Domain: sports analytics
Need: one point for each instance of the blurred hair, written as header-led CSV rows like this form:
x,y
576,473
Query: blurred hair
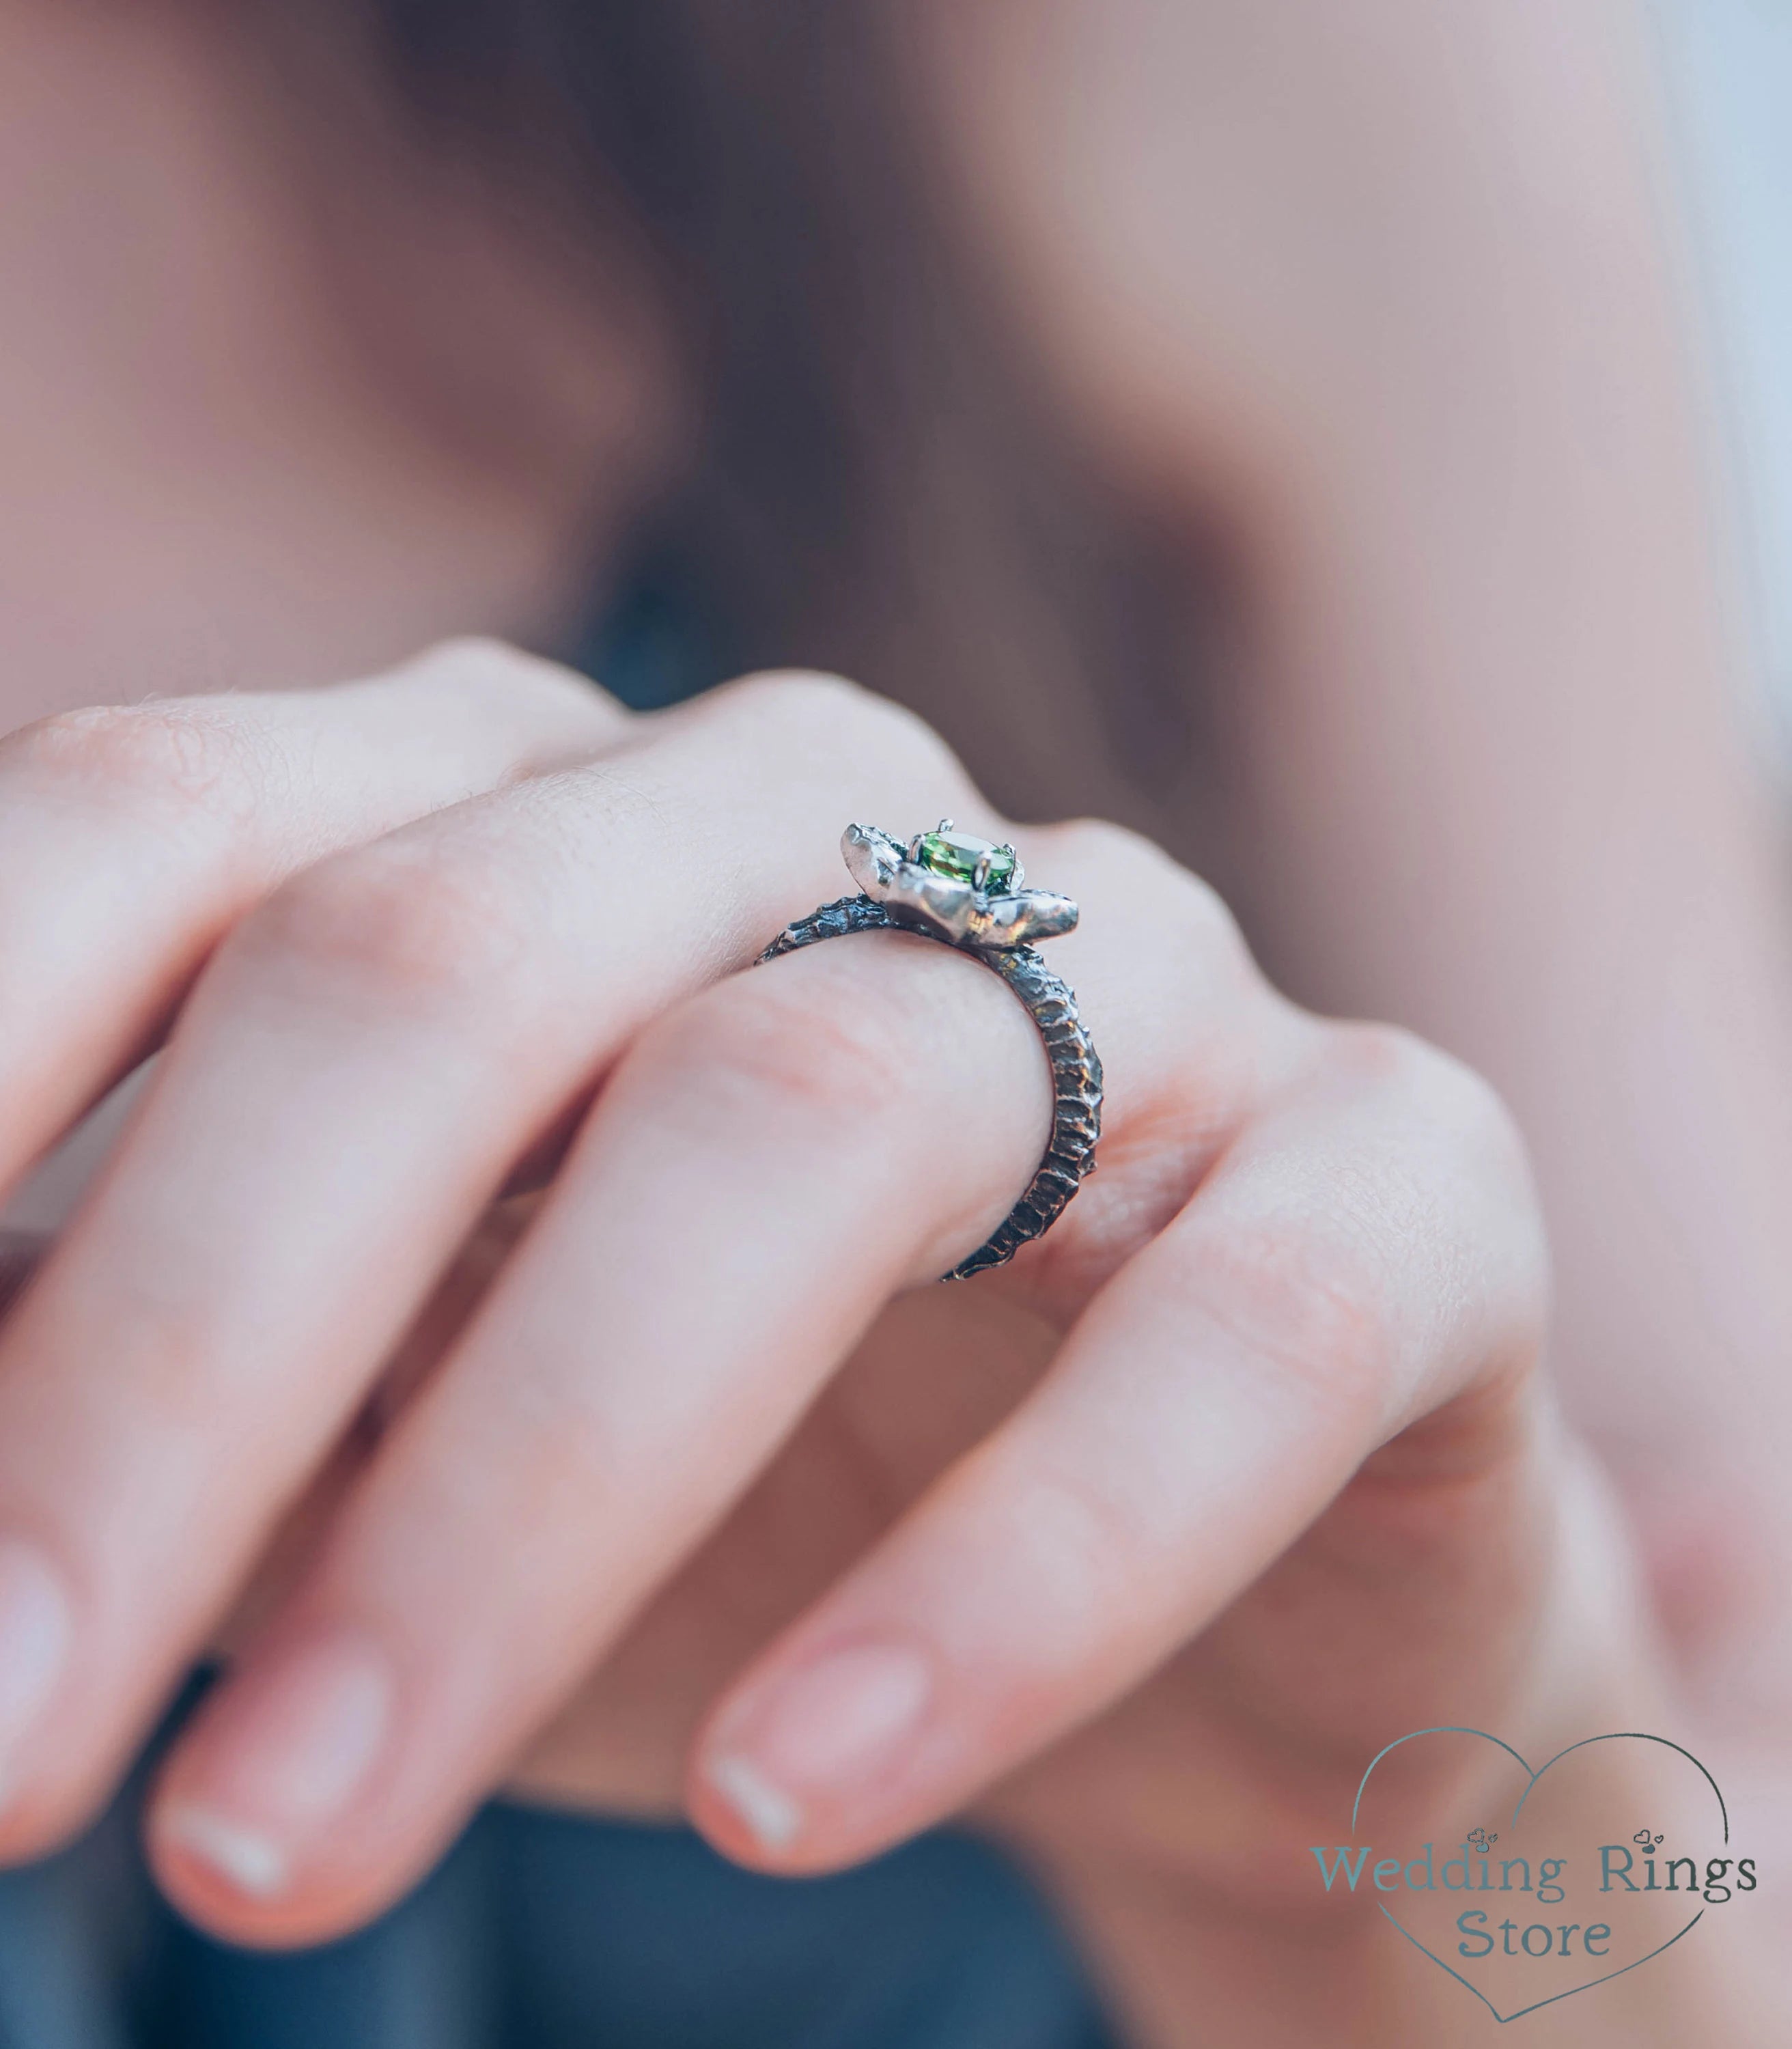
x,y
877,486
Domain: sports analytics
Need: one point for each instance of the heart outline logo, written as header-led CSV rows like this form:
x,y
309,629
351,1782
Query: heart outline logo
x,y
1531,1779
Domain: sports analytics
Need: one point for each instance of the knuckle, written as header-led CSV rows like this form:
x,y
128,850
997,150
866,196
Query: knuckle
x,y
751,1050
488,666
1450,1202
187,757
1203,915
479,657
1085,1531
1476,1109
797,696
413,925
815,714
541,709
1311,1309
1382,1056
1446,1094
1126,867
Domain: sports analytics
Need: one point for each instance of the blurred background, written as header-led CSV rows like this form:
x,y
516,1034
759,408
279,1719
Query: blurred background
x,y
1730,72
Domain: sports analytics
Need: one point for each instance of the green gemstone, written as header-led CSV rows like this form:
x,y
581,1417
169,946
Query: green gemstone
x,y
957,854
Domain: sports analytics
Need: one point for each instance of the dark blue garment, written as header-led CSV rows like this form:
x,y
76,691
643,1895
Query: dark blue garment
x,y
544,1931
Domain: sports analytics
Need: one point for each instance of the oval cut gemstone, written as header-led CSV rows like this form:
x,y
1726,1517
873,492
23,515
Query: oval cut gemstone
x,y
957,854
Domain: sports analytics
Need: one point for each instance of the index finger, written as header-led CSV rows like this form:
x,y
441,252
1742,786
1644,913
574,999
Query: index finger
x,y
133,836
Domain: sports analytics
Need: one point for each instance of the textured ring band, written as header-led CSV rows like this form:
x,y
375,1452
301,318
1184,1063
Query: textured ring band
x,y
954,905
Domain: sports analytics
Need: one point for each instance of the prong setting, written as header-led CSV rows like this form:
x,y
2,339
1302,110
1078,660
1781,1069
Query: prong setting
x,y
960,888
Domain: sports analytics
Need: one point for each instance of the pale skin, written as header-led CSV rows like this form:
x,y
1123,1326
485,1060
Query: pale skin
x,y
442,907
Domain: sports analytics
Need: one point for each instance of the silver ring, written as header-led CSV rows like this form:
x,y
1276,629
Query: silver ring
x,y
967,894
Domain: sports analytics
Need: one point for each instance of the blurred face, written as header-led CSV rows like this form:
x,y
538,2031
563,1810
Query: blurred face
x,y
273,411
281,396
1139,173
1254,240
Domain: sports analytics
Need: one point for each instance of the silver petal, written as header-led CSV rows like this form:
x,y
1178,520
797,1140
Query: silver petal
x,y
1019,921
873,857
951,908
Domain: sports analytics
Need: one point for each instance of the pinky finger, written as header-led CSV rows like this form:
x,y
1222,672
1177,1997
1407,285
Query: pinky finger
x,y
1361,1258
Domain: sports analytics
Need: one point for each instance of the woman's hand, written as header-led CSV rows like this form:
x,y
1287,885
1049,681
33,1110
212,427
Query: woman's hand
x,y
1264,1392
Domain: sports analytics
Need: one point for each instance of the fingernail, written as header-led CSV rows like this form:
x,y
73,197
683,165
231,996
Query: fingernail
x,y
280,1765
35,1630
768,1811
251,1863
819,1736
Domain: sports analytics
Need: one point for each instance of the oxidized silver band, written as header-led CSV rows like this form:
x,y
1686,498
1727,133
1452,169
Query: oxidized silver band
x,y
940,886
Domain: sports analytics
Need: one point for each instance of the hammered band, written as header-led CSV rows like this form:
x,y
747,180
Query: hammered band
x,y
1076,1068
